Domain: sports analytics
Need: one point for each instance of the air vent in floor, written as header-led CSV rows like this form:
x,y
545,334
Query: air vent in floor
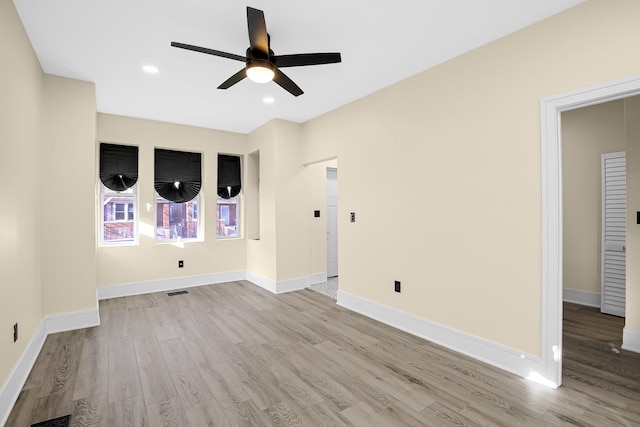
x,y
171,294
56,422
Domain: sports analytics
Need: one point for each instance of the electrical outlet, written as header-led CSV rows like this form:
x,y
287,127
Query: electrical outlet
x,y
180,264
397,286
15,332
353,217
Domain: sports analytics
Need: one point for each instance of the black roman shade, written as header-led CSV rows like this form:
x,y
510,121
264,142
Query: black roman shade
x,y
229,184
118,166
178,175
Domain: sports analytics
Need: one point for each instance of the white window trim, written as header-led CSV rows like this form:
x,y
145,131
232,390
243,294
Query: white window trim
x,y
239,226
136,214
200,218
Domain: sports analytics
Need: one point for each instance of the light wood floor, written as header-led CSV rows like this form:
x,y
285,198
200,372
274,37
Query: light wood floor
x,y
234,354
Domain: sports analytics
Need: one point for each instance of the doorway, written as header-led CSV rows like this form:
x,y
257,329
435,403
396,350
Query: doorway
x,y
552,210
323,250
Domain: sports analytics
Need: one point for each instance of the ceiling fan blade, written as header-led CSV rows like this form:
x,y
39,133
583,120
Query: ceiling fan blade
x,y
209,51
301,59
234,79
286,83
258,37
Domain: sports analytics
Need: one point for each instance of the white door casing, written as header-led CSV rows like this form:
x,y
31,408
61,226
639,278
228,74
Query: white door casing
x,y
332,222
550,368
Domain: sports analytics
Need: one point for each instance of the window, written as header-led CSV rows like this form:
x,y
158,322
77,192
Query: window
x,y
118,216
229,187
118,194
176,221
228,217
177,181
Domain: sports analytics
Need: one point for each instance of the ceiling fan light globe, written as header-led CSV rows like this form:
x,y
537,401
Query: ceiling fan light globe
x,y
260,73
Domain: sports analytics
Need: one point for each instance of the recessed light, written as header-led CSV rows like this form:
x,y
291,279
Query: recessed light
x,y
268,100
150,69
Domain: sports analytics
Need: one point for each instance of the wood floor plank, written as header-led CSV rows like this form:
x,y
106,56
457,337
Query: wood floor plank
x,y
124,377
207,414
93,369
62,372
23,410
328,416
128,413
163,323
91,411
334,394
234,354
119,320
41,368
155,379
52,405
295,387
187,380
140,326
218,372
167,413
245,414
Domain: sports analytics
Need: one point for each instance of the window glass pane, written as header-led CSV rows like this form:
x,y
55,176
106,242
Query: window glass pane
x,y
228,217
119,211
117,219
176,220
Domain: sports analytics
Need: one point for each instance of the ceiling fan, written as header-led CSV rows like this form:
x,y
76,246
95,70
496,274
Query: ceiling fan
x,y
262,65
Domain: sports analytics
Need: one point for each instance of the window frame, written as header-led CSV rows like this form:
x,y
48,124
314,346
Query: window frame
x,y
198,217
136,214
238,203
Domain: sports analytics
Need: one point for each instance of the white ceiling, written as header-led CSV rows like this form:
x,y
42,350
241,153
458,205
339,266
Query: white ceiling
x,y
381,41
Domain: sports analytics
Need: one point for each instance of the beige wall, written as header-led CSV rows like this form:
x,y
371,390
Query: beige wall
x,y
282,253
150,260
47,129
587,133
292,203
261,254
444,173
21,86
68,198
632,137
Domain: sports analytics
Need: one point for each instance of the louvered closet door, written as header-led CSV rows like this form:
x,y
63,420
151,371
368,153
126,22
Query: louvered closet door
x,y
614,204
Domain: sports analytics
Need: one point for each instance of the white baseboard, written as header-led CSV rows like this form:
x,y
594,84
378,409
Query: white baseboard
x,y
508,359
147,287
263,282
280,287
70,321
138,288
630,340
49,325
291,285
318,277
12,388
590,299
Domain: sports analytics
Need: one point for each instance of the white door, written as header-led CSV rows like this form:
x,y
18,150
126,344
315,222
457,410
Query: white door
x,y
332,222
614,207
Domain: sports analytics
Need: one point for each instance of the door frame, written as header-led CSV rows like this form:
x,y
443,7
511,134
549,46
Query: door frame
x,y
551,151
332,169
